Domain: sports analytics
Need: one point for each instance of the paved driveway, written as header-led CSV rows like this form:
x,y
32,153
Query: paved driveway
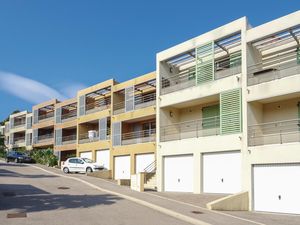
x,y
50,197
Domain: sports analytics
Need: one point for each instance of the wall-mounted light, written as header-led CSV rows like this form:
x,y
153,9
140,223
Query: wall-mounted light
x,y
171,114
238,78
249,151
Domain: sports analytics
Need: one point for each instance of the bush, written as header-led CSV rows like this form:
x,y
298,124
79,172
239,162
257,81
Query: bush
x,y
2,153
44,156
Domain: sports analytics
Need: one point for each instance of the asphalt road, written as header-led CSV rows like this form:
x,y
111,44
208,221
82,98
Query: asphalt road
x,y
39,195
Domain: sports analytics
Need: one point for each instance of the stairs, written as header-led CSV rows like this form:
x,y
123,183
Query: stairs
x,y
150,181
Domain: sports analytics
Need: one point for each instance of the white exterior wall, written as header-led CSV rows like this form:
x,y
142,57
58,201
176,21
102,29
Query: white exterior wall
x,y
266,102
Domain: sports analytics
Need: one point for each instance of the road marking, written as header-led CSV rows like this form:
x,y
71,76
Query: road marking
x,y
136,200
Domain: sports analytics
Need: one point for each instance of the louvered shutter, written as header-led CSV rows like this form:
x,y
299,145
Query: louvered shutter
x,y
28,122
34,136
205,63
298,55
11,123
11,137
117,133
35,116
58,115
210,115
129,99
235,59
28,139
231,112
103,129
81,107
58,137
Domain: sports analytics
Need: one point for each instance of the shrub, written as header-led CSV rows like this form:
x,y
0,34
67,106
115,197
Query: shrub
x,y
44,156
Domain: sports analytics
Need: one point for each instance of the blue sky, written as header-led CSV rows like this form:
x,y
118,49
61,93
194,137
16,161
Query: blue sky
x,y
59,46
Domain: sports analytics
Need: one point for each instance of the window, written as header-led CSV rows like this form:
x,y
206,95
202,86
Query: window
x,y
72,161
210,115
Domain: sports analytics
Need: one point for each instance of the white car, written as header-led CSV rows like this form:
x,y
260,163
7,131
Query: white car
x,y
80,165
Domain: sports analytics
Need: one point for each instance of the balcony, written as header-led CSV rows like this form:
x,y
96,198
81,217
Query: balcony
x,y
45,138
261,73
71,115
190,129
18,124
140,101
279,132
46,117
19,141
70,139
139,137
88,138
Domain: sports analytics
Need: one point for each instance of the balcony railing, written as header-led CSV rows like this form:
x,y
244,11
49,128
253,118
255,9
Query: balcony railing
x,y
69,116
261,73
186,78
140,101
70,139
98,105
85,138
46,116
19,124
19,140
139,137
278,132
191,129
45,138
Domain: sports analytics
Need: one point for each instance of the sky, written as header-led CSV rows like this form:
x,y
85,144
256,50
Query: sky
x,y
52,48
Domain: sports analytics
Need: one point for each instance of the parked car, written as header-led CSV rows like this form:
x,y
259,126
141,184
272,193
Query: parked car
x,y
18,157
80,165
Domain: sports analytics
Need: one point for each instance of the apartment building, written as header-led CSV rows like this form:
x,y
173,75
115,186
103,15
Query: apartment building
x,y
94,123
65,129
18,131
43,124
134,126
228,114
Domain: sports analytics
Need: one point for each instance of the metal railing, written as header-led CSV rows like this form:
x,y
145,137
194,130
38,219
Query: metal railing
x,y
98,105
151,168
69,116
186,78
19,140
85,138
46,116
19,124
277,69
70,139
45,138
140,101
278,132
191,129
139,137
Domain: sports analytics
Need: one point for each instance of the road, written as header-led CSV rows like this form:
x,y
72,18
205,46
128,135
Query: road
x,y
45,196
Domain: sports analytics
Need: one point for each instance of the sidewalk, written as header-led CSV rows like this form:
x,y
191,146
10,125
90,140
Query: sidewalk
x,y
191,205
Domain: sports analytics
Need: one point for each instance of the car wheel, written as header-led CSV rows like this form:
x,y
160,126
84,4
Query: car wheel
x,y
66,170
16,160
89,170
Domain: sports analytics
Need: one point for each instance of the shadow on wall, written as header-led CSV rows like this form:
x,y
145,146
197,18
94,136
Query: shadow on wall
x,y
8,173
31,199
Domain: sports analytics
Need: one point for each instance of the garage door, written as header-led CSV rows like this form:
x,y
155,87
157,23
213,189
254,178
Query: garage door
x,y
142,161
222,172
178,173
102,158
122,167
277,188
88,155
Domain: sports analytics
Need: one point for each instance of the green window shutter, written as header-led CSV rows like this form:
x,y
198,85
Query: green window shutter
x,y
103,128
129,99
81,105
117,133
210,116
58,115
231,112
235,59
192,73
298,55
205,63
58,137
35,116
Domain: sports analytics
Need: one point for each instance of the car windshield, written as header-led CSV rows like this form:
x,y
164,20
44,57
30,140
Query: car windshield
x,y
87,160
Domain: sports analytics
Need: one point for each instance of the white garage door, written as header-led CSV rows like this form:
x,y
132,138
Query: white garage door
x,y
88,155
142,161
122,167
277,188
222,172
178,173
102,158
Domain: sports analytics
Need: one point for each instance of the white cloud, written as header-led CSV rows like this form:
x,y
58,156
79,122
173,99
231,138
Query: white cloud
x,y
33,91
